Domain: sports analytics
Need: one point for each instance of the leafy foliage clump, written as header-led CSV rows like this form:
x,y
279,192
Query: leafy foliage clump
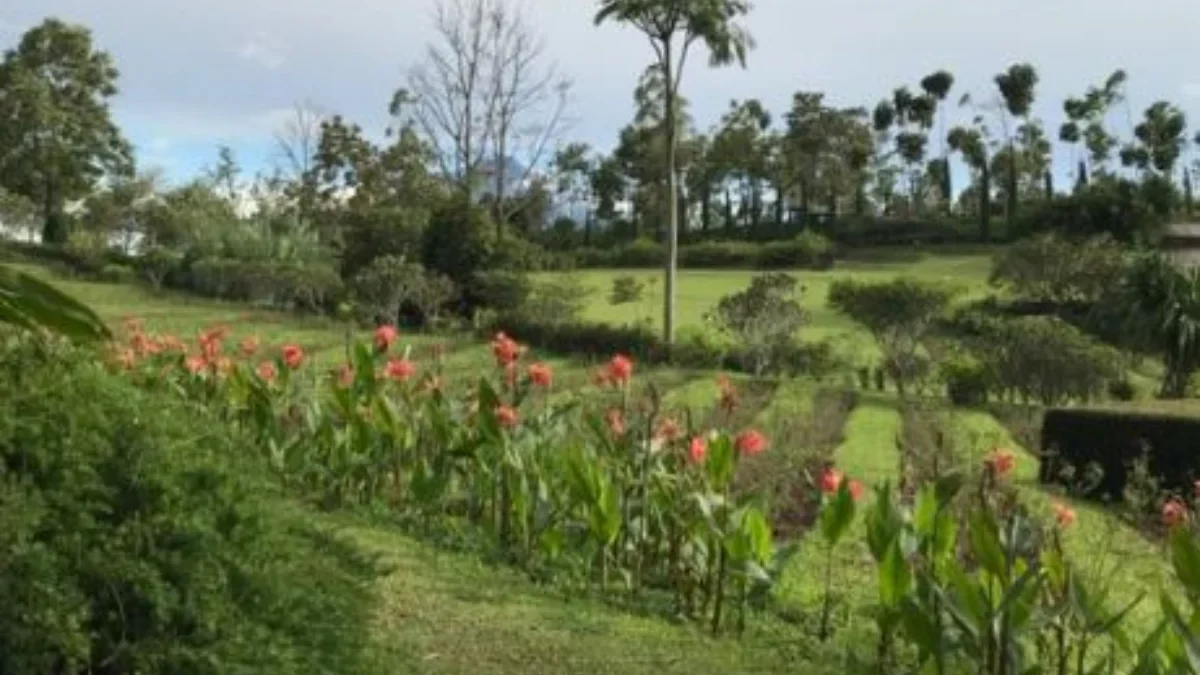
x,y
626,288
134,537
1051,268
764,318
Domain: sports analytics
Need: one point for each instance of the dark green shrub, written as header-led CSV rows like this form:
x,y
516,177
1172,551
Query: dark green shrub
x,y
116,274
807,250
156,263
561,300
501,290
720,255
880,378
626,289
967,382
599,340
1113,439
864,378
763,319
1116,207
1056,270
138,535
1122,390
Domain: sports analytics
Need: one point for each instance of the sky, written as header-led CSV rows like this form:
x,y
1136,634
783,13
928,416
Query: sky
x,y
195,75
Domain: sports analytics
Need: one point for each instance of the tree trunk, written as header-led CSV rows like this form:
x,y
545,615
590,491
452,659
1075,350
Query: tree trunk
x,y
587,227
985,203
672,202
1011,209
1083,174
728,213
706,208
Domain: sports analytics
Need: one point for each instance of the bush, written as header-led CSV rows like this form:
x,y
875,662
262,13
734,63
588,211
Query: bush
x,y
1053,269
116,274
307,287
1118,208
156,263
137,536
1122,390
498,289
764,319
967,381
626,288
1113,439
558,301
807,250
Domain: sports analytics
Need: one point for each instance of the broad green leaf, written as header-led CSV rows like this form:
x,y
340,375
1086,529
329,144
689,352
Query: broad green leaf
x,y
895,577
837,515
985,544
28,302
1185,557
758,532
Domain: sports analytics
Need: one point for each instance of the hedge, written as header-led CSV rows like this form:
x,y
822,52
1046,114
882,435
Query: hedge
x,y
1113,439
600,341
807,250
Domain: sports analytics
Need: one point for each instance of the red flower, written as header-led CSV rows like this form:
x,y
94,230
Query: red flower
x,y
540,375
831,480
385,337
727,399
267,371
1063,514
668,430
1174,513
505,349
856,490
293,356
620,369
249,346
345,375
195,364
750,442
506,416
400,369
1000,463
697,449
615,421
172,343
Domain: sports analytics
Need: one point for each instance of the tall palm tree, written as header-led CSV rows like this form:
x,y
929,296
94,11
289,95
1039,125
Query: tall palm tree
x,y
673,27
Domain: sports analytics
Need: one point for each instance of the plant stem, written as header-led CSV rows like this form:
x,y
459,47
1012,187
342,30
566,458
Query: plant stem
x,y
827,604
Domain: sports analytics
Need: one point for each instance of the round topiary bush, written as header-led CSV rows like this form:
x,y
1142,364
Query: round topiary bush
x,y
137,534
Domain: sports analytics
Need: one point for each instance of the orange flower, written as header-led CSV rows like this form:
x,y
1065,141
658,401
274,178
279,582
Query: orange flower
x,y
195,364
127,358
505,349
1174,513
751,442
249,346
856,490
615,421
293,356
1000,462
540,375
385,337
1063,514
620,369
506,416
697,449
668,430
267,371
400,369
172,344
831,480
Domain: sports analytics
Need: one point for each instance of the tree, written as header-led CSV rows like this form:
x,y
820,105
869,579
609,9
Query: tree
x,y
899,314
297,141
18,215
937,86
1016,86
1162,305
763,318
972,142
673,27
486,101
58,137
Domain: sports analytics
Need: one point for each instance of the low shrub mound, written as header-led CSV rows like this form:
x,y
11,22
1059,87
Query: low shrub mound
x,y
808,250
134,537
1113,439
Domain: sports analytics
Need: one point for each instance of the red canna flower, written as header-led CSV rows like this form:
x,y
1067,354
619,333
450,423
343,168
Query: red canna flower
x,y
1000,462
856,490
540,375
831,480
249,346
293,356
668,430
505,349
267,371
506,416
1174,513
620,369
385,337
750,442
400,369
697,449
1063,514
195,364
615,421
172,344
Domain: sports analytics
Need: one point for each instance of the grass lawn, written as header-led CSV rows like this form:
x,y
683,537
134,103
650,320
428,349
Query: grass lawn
x,y
700,290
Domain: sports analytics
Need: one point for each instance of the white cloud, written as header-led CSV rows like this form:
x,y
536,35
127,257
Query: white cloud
x,y
263,50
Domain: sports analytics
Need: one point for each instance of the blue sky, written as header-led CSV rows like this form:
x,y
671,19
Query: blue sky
x,y
228,71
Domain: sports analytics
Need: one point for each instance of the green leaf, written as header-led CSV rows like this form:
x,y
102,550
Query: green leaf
x,y
895,577
28,303
720,461
919,626
947,488
985,544
758,533
837,515
1185,557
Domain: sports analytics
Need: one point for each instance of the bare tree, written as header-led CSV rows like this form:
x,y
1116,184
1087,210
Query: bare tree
x,y
486,99
296,140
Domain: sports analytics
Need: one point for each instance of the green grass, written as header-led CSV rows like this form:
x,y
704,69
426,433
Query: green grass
x,y
700,290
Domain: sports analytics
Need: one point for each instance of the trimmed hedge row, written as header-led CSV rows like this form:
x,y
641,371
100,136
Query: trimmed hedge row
x,y
1114,439
600,341
808,250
